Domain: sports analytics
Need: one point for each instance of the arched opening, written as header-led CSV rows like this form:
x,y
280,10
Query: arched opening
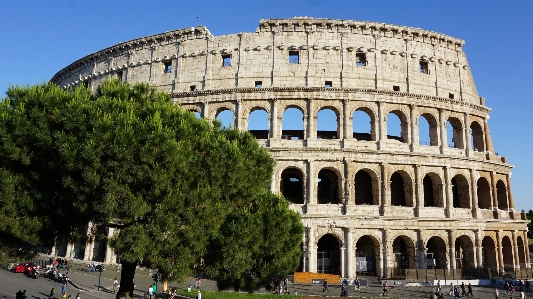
x,y
292,125
432,190
483,194
367,250
225,117
436,253
328,187
521,252
363,125
363,189
258,123
292,185
404,255
327,124
478,144
454,130
489,254
400,188
197,114
464,253
397,126
328,255
460,192
507,252
501,194
427,130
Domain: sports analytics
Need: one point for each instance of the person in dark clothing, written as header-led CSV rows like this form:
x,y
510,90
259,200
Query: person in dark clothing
x,y
325,286
469,290
463,290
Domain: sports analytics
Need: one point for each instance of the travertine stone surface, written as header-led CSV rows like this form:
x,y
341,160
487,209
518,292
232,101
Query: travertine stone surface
x,y
420,196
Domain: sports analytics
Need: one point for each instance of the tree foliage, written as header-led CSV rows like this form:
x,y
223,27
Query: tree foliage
x,y
127,157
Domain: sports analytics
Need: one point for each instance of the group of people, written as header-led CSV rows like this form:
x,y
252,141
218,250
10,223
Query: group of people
x,y
63,293
92,267
523,286
281,287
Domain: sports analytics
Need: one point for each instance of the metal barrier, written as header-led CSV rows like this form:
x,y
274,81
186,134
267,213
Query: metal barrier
x,y
425,275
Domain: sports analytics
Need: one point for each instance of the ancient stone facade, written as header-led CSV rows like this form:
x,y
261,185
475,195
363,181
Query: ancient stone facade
x,y
370,201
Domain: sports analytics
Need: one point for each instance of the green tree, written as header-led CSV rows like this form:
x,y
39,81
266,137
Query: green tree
x,y
128,158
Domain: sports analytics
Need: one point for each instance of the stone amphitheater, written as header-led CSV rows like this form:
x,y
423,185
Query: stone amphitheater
x,y
373,202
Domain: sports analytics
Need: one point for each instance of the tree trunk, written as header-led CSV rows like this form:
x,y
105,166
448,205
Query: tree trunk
x,y
126,281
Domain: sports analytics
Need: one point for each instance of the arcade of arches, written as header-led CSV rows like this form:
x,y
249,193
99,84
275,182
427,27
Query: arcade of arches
x,y
381,252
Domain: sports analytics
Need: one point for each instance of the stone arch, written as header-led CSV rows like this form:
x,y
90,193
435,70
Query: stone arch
x,y
322,131
366,135
478,143
328,254
367,253
298,132
329,186
432,128
489,253
257,122
223,114
460,192
501,195
292,185
433,190
366,186
507,252
454,128
464,253
404,127
521,252
403,250
401,189
436,253
483,193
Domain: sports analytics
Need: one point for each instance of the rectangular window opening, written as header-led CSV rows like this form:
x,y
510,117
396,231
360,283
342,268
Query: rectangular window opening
x,y
193,87
294,57
226,60
119,75
396,88
328,84
258,84
360,59
168,67
450,95
424,67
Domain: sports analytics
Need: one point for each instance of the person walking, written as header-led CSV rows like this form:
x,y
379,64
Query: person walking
x,y
469,290
64,291
385,289
115,285
463,290
78,296
52,293
325,286
357,283
496,293
199,295
150,291
438,287
451,288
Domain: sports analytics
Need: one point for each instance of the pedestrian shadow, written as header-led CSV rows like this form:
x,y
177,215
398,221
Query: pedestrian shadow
x,y
104,289
79,287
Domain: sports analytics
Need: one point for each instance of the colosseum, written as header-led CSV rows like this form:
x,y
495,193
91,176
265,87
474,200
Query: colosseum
x,y
373,202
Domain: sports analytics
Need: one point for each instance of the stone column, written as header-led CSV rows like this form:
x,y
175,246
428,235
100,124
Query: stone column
x,y
385,253
419,187
479,248
501,265
53,251
382,127
311,182
350,256
205,112
238,119
87,251
109,250
448,188
347,185
516,259
346,124
343,262
488,140
443,133
467,137
494,190
452,234
475,204
385,186
312,250
526,250
275,130
311,121
510,201
414,138
69,249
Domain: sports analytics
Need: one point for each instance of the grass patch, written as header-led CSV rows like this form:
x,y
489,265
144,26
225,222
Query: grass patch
x,y
230,295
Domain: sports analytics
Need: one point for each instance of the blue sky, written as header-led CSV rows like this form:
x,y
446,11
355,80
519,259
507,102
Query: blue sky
x,y
38,38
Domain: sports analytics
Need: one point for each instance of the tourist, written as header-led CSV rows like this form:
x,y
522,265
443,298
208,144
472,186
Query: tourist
x,y
451,288
78,296
469,290
199,295
385,289
150,291
64,290
325,286
496,293
115,285
52,293
463,290
357,283
438,287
